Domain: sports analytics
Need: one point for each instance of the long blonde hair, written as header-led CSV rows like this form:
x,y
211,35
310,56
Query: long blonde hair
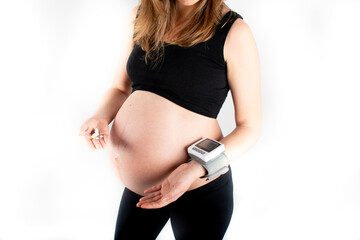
x,y
157,17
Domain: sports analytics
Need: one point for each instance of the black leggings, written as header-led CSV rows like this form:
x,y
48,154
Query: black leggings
x,y
202,213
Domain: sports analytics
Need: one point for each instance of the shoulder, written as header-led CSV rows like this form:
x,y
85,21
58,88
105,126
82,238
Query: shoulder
x,y
239,24
240,35
239,31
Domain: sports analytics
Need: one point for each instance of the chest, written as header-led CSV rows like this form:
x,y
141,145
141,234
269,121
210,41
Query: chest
x,y
201,65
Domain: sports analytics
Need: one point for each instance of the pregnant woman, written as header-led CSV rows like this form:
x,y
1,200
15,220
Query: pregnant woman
x,y
180,59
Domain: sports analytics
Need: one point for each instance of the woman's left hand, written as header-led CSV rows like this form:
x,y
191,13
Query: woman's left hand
x,y
175,185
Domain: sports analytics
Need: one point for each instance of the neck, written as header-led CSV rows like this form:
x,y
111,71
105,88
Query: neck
x,y
183,11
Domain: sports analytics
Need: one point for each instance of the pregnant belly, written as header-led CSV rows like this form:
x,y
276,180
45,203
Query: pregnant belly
x,y
150,136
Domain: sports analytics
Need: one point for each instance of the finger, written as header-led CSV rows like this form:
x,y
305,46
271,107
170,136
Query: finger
x,y
90,143
99,142
153,189
153,199
102,142
96,143
156,204
83,128
152,195
87,133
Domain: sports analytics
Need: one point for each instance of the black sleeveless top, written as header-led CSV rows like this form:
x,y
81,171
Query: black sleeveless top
x,y
192,77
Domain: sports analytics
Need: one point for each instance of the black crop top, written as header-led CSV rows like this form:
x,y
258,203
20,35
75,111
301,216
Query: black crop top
x,y
192,77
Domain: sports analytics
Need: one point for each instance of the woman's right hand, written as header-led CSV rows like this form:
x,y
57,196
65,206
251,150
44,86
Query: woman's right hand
x,y
88,128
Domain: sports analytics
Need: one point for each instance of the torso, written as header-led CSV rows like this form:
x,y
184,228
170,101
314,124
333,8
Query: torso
x,y
150,136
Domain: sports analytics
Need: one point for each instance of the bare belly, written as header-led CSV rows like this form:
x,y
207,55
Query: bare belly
x,y
150,136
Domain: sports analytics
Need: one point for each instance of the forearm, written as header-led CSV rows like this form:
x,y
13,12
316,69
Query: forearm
x,y
110,104
240,140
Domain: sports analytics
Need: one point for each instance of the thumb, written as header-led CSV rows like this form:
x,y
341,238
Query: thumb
x,y
83,129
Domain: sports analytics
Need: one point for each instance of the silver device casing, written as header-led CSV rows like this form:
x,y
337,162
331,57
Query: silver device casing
x,y
215,162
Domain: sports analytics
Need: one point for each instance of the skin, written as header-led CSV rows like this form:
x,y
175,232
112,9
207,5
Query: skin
x,y
184,7
147,143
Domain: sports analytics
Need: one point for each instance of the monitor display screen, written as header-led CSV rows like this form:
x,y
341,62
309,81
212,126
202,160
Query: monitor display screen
x,y
207,145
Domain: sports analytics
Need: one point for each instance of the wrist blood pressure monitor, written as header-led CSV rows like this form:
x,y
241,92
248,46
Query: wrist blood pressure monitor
x,y
210,154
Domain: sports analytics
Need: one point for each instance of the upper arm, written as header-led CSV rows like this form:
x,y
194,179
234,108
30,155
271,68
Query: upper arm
x,y
121,79
243,72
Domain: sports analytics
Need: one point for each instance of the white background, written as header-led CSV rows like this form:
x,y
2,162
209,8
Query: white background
x,y
300,181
